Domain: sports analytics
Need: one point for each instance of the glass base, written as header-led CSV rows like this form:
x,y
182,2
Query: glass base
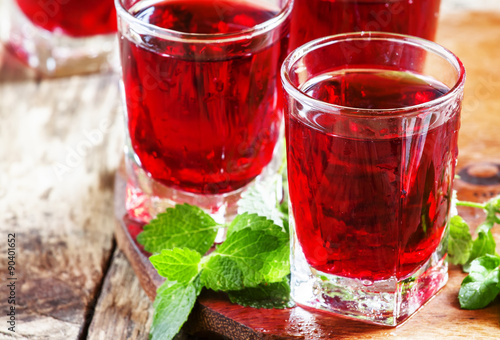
x,y
54,54
386,302
145,197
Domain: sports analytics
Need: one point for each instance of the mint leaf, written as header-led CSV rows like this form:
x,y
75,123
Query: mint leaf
x,y
492,208
482,285
460,241
263,198
255,251
484,244
184,226
222,274
255,254
254,222
272,295
173,304
177,264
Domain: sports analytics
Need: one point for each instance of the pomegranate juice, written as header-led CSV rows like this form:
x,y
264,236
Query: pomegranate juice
x,y
76,18
204,117
319,18
371,207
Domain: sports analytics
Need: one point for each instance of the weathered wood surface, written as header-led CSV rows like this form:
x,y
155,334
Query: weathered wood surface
x,y
474,37
123,310
73,283
60,140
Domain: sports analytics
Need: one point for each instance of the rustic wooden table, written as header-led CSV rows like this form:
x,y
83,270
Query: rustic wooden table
x,y
61,142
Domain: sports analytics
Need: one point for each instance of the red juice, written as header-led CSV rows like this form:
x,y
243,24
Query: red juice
x,y
371,207
313,19
204,119
76,18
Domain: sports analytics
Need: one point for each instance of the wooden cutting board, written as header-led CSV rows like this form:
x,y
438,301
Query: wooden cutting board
x,y
475,38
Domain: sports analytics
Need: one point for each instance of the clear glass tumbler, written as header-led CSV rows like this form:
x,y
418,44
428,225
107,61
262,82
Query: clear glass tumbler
x,y
312,19
372,122
203,100
63,37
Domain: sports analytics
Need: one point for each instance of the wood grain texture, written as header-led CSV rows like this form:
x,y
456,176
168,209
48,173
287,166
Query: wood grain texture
x,y
60,144
474,37
123,310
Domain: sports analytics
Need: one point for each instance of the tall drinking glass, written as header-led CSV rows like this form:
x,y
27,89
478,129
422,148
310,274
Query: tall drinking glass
x,y
63,37
372,124
312,19
203,100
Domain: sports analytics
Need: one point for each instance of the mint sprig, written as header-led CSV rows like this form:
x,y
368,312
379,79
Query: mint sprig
x,y
248,258
483,245
252,265
272,295
460,241
266,199
178,264
184,226
172,306
482,284
478,257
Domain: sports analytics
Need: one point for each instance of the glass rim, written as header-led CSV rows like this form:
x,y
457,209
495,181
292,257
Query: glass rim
x,y
170,34
427,45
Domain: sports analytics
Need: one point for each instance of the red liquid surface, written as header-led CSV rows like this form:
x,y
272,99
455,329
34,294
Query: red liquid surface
x,y
77,18
313,19
205,121
370,208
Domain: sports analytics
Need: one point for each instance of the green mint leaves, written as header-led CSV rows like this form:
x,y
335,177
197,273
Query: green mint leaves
x,y
252,265
184,226
263,198
255,251
177,264
484,244
272,295
478,257
482,284
173,304
459,241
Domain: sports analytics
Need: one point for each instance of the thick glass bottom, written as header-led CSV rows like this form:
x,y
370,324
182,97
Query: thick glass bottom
x,y
54,54
145,197
386,302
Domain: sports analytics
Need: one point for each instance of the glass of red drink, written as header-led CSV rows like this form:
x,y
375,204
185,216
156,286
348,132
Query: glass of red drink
x,y
312,19
63,37
203,100
371,126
